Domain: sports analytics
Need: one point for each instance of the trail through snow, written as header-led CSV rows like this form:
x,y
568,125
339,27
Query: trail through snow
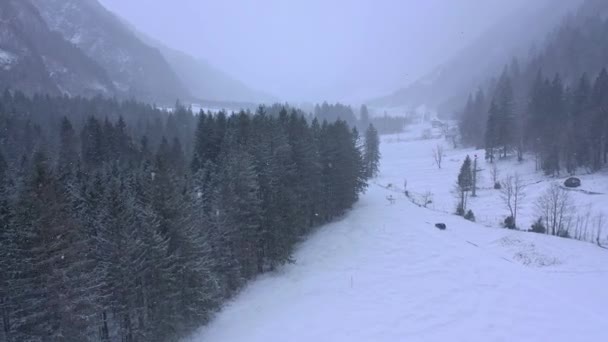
x,y
385,273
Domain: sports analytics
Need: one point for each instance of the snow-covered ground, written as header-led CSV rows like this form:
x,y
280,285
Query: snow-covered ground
x,y
413,162
385,273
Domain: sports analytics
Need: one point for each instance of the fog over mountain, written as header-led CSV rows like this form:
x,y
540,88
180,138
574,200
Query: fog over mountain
x,y
318,50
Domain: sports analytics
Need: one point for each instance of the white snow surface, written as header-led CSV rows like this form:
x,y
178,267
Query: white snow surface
x,y
385,273
7,59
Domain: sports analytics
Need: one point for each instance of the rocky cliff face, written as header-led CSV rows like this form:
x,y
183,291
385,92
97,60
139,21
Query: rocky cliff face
x,y
35,59
78,48
136,69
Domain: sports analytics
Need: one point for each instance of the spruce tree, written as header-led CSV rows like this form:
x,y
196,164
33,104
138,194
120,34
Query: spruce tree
x,y
504,114
467,119
464,185
371,155
364,119
491,134
8,261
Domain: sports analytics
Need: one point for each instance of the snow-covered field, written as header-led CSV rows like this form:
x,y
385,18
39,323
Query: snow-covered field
x,y
413,162
385,273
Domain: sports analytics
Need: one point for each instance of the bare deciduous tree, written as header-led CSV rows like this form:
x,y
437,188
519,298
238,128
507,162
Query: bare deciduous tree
x,y
581,224
438,155
426,198
495,172
556,209
599,227
512,194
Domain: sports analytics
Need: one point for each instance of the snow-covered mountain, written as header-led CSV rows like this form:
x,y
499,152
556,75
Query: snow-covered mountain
x,y
204,81
447,86
136,69
209,83
79,48
35,59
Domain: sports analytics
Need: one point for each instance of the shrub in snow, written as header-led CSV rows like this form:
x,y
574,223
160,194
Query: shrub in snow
x,y
509,222
440,226
460,210
539,227
470,216
497,186
564,233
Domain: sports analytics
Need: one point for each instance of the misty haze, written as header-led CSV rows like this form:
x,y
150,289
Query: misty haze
x,y
361,171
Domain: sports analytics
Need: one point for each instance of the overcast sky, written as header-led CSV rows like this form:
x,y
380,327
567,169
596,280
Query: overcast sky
x,y
317,50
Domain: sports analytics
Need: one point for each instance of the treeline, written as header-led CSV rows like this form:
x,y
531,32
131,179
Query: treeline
x,y
562,117
333,112
385,124
121,222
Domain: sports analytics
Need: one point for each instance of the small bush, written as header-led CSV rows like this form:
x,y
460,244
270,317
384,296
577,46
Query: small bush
x,y
539,227
564,234
460,211
497,186
509,222
470,216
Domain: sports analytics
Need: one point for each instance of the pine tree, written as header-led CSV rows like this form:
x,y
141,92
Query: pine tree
x,y
464,185
308,181
92,140
236,219
491,138
371,156
599,119
504,114
51,252
467,119
68,159
364,119
8,261
579,142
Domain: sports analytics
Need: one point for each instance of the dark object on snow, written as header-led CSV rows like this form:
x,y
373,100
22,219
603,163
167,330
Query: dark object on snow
x,y
441,226
572,182
469,216
510,222
497,186
539,227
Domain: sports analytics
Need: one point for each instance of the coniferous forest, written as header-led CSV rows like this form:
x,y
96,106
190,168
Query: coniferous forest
x,y
553,106
122,222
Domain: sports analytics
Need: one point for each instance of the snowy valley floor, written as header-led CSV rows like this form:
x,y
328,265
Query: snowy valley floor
x,y
385,273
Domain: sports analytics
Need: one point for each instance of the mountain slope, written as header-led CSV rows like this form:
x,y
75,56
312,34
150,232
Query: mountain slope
x,y
208,83
137,69
36,60
203,80
446,86
385,273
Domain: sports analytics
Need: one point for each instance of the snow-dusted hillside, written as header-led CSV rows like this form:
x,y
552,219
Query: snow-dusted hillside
x,y
385,273
136,69
447,86
34,59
